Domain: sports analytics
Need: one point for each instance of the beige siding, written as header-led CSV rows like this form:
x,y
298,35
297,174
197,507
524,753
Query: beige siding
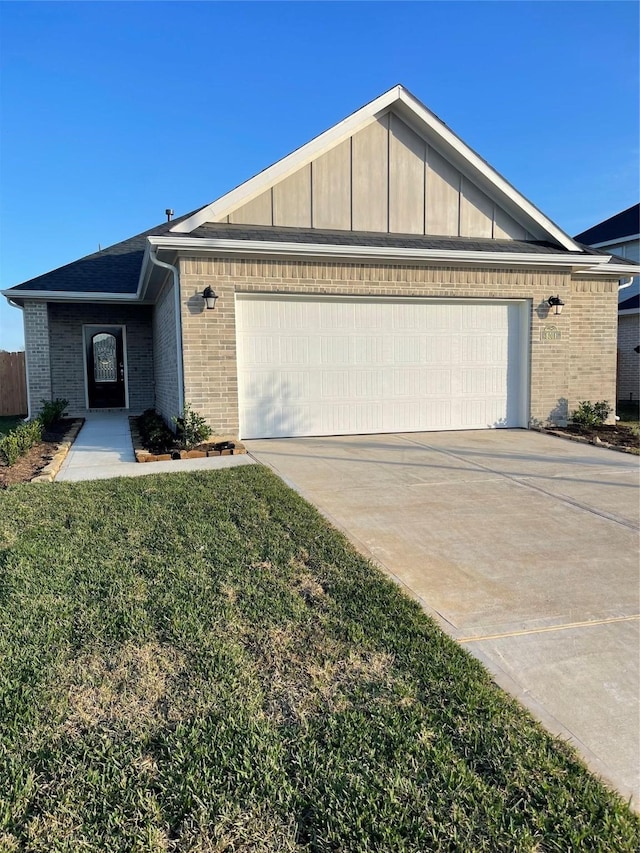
x,y
256,212
370,177
384,178
407,153
332,188
443,196
504,227
476,212
572,357
292,200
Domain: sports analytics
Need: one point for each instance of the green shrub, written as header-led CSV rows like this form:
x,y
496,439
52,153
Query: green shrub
x,y
16,443
591,414
156,435
9,448
52,411
191,428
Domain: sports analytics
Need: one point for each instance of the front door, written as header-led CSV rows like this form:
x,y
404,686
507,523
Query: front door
x,y
105,367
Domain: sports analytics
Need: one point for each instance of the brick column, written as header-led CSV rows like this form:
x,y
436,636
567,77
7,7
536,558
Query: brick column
x,y
36,339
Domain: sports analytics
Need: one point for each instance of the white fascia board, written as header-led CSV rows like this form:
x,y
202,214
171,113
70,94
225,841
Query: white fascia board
x,y
145,273
388,253
625,312
617,270
252,188
69,296
615,242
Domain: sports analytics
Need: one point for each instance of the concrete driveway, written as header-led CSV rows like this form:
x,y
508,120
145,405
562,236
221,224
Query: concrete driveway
x,y
523,546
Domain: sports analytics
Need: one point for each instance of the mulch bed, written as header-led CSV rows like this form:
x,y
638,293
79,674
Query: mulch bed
x,y
217,445
26,468
614,436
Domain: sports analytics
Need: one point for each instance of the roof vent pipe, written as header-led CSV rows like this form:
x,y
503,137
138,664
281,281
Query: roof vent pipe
x,y
169,214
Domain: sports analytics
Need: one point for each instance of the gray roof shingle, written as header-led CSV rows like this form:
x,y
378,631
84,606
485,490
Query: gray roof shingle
x,y
370,238
115,269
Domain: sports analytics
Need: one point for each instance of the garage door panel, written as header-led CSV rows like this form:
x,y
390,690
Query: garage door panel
x,y
330,366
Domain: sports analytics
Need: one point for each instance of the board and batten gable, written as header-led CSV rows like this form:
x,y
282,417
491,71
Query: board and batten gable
x,y
384,178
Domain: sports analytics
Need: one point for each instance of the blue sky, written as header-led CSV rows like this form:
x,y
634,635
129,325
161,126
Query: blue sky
x,y
111,112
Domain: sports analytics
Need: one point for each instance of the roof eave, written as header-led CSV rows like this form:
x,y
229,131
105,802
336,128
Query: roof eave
x,y
615,270
267,248
69,296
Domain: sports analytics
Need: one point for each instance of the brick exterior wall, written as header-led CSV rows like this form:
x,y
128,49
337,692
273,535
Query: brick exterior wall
x,y
572,357
628,360
67,350
594,328
165,355
36,337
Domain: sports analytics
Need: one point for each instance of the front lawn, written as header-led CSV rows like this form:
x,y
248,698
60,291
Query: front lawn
x,y
198,662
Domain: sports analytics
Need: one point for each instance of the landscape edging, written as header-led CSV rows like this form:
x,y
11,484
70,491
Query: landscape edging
x,y
143,455
50,470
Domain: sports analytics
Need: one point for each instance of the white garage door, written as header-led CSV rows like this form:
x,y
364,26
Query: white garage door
x,y
339,366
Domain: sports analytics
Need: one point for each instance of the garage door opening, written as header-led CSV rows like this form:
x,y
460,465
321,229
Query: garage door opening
x,y
347,365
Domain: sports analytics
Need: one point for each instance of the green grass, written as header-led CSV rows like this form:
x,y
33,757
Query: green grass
x,y
9,422
198,662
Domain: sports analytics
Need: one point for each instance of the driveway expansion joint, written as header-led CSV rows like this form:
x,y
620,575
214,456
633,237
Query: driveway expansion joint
x,y
549,629
526,481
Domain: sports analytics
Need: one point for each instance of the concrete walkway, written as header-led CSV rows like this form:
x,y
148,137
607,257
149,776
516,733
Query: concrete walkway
x,y
103,450
523,546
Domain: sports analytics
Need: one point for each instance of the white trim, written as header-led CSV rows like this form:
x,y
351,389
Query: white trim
x,y
123,328
614,242
617,270
398,95
69,295
269,247
627,312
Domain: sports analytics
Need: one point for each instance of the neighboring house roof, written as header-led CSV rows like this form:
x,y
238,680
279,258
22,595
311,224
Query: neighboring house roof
x,y
623,225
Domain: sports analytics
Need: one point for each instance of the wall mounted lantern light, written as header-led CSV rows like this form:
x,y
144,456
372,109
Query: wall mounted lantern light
x,y
209,297
556,303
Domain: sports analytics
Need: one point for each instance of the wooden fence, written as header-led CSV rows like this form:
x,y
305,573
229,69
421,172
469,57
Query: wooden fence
x,y
13,384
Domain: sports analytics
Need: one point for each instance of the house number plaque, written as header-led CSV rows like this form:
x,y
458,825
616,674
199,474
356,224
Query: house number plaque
x,y
550,333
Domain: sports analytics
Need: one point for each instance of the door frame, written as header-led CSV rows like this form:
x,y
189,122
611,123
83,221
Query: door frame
x,y
89,329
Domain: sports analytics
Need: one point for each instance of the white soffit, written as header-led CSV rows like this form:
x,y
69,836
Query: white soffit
x,y
435,133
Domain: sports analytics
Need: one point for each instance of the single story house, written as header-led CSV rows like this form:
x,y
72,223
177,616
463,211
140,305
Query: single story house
x,y
620,236
383,277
